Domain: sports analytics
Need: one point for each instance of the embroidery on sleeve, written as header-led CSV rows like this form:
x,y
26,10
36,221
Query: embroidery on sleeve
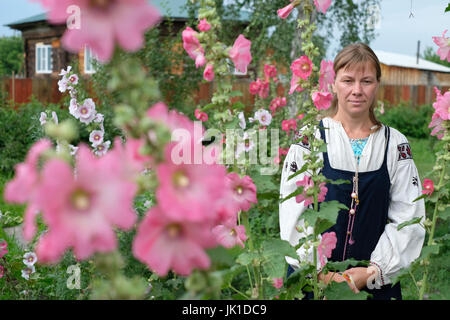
x,y
415,181
404,151
294,166
303,141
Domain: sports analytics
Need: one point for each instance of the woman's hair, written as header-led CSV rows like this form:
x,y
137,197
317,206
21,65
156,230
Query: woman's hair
x,y
353,55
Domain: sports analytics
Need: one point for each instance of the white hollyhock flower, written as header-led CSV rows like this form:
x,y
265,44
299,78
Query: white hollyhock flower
x,y
73,150
43,118
247,145
29,258
62,84
29,270
99,118
55,117
96,137
241,117
102,148
263,116
86,112
73,108
73,79
64,72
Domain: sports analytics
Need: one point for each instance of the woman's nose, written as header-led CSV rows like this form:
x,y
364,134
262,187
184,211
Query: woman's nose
x,y
357,88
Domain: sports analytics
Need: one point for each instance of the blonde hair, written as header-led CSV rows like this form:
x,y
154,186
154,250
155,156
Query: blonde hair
x,y
353,55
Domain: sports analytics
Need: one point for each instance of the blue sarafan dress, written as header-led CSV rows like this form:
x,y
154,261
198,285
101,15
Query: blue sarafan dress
x,y
369,232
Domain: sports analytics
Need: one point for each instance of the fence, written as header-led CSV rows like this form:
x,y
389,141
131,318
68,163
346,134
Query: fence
x,y
46,91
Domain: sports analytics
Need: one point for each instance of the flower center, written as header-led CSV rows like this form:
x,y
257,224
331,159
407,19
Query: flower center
x,y
80,200
180,179
263,118
173,230
305,67
233,232
239,190
100,148
83,110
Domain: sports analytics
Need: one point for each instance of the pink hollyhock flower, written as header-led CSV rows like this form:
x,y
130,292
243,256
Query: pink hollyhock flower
x,y
300,116
326,246
22,187
428,186
283,151
243,190
254,87
283,13
126,159
263,88
308,183
208,73
240,53
189,191
442,106
270,71
82,210
444,46
102,23
295,86
3,248
277,103
322,5
193,46
287,125
322,100
172,119
436,124
202,116
326,75
230,235
277,282
165,244
203,25
302,67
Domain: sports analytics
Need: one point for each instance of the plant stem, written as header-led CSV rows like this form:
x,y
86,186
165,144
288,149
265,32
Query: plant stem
x,y
241,293
430,238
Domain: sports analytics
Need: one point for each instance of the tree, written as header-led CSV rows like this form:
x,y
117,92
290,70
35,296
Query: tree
x,y
430,55
11,55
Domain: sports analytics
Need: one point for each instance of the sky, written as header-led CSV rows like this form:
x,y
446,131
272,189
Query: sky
x,y
397,32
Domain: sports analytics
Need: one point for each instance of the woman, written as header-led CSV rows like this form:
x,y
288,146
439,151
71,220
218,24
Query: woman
x,y
377,160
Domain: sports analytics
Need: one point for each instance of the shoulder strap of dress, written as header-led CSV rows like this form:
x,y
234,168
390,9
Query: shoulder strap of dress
x,y
387,136
322,131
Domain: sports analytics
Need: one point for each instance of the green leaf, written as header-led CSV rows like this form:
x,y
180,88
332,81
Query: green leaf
x,y
338,181
273,253
325,218
221,256
229,274
429,250
246,258
343,265
420,197
448,8
263,183
444,215
302,169
408,223
342,291
297,191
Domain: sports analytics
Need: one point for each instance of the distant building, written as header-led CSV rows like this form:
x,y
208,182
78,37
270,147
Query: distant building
x,y
403,78
45,57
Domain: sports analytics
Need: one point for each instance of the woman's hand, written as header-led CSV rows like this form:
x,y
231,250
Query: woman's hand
x,y
360,275
330,276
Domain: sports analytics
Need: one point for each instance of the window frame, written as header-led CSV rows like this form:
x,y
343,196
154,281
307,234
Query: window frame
x,y
44,62
91,56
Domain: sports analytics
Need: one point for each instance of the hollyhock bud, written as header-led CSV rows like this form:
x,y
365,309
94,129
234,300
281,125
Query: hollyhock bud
x,y
208,74
283,13
203,25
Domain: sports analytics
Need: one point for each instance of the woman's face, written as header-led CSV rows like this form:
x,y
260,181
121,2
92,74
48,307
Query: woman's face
x,y
356,88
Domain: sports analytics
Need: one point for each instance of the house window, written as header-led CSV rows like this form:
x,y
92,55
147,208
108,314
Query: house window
x,y
88,61
44,59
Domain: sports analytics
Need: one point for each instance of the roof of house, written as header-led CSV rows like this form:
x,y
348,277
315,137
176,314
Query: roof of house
x,y
402,60
168,8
